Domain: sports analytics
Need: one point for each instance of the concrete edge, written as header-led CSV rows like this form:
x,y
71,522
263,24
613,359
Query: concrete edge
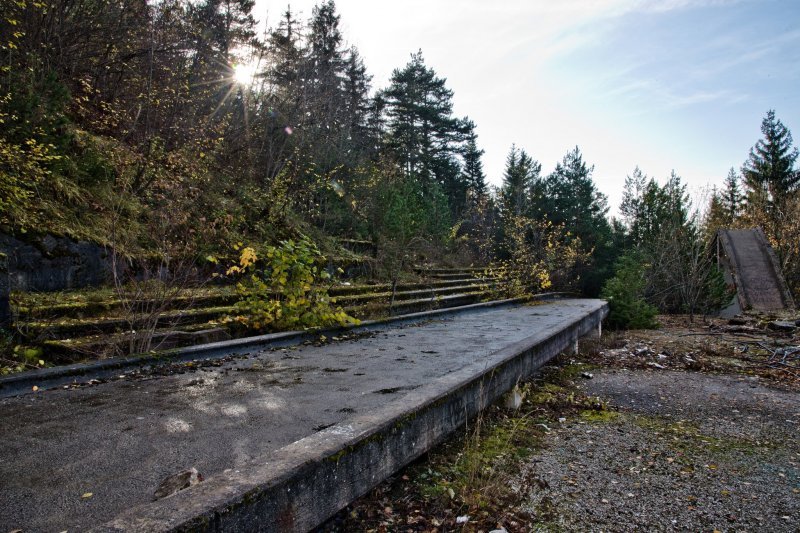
x,y
300,485
777,272
48,378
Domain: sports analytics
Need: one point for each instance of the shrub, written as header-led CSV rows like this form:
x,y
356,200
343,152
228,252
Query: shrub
x,y
541,257
625,295
286,291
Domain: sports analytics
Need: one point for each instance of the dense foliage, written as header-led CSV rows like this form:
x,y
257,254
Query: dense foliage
x,y
124,118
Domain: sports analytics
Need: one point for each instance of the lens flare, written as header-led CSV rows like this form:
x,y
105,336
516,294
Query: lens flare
x,y
243,73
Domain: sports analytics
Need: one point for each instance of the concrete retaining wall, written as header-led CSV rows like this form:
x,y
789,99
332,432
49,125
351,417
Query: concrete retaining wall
x,y
48,263
303,484
5,307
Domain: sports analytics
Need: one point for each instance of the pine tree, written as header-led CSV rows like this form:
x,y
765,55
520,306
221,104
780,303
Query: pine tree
x,y
356,85
520,174
772,185
573,197
716,216
573,200
422,132
284,44
325,41
326,111
769,172
731,198
472,171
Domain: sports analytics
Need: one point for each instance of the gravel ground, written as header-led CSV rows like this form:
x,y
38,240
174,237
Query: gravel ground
x,y
679,451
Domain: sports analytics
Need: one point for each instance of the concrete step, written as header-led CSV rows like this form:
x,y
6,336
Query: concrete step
x,y
64,328
453,270
187,329
78,327
29,311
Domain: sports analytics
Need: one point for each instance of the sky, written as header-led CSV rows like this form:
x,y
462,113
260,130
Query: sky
x,y
663,84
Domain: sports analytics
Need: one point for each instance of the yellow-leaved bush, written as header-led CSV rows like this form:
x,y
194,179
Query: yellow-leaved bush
x,y
542,256
285,289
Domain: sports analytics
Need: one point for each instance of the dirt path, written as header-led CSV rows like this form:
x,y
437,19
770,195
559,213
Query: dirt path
x,y
683,451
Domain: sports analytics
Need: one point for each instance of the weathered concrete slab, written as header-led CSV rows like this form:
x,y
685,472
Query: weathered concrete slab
x,y
284,437
760,285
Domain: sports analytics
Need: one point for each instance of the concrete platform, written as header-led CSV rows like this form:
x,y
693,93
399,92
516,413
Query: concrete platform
x,y
284,437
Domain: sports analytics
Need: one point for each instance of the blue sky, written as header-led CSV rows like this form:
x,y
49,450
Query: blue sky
x,y
670,84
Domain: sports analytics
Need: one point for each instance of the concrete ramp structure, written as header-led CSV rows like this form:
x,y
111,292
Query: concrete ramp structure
x,y
749,263
284,432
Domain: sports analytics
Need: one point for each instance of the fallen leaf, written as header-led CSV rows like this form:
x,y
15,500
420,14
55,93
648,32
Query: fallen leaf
x,y
87,495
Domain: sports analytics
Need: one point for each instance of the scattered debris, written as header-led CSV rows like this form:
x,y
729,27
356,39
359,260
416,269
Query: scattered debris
x,y
782,325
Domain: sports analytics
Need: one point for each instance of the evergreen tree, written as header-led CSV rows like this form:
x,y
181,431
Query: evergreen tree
x,y
422,132
772,185
716,216
573,197
632,208
326,111
325,39
769,171
473,175
520,174
731,198
356,85
284,44
220,27
573,200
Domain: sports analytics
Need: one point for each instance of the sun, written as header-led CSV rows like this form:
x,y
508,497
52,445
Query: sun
x,y
243,73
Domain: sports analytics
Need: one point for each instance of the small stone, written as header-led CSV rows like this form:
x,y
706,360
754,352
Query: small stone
x,y
177,482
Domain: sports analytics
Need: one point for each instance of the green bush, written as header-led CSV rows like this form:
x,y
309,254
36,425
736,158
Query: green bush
x,y
625,295
284,290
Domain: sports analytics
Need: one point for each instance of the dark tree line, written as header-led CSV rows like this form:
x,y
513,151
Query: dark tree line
x,y
132,113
